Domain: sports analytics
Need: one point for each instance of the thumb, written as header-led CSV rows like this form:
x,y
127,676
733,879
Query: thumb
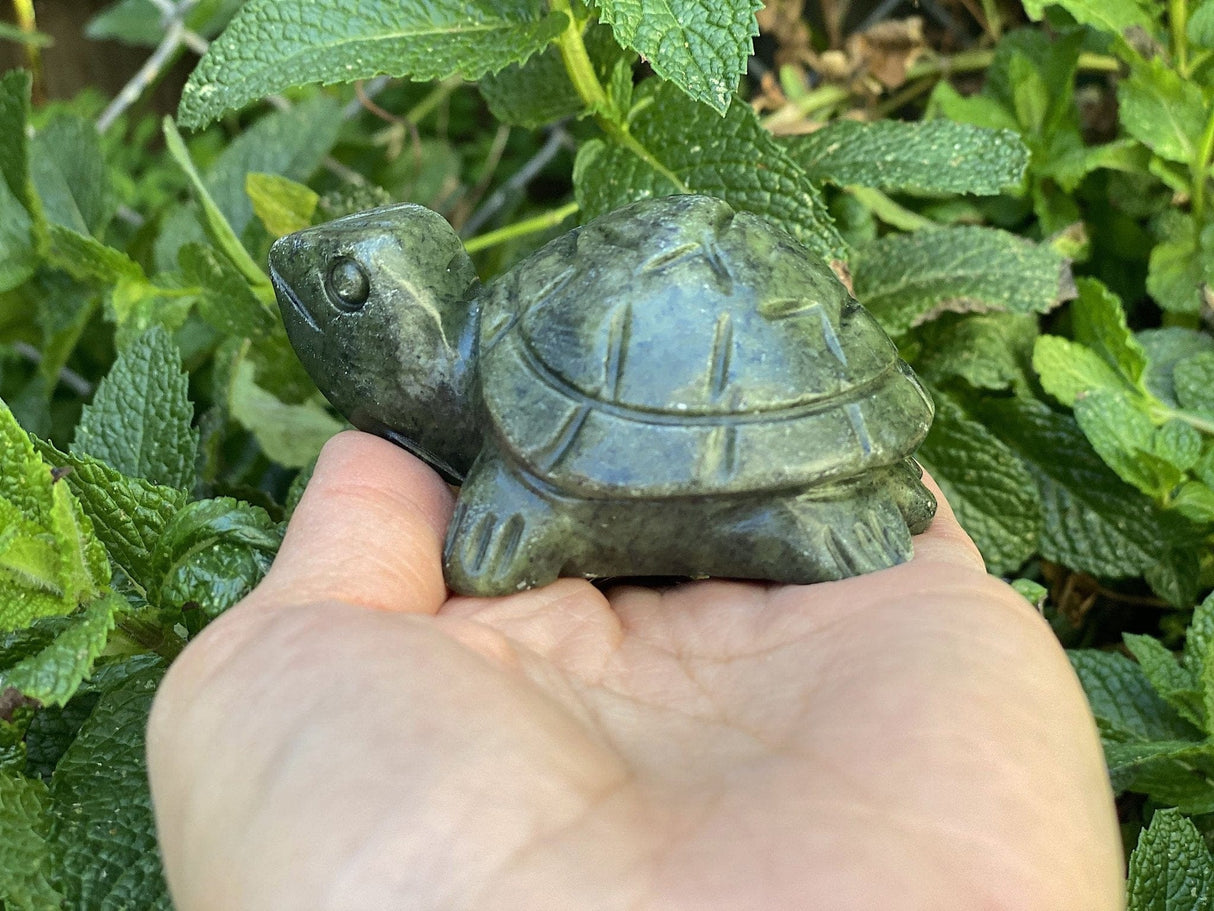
x,y
368,530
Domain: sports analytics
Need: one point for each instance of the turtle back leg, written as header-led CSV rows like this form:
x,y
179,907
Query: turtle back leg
x,y
860,527
504,536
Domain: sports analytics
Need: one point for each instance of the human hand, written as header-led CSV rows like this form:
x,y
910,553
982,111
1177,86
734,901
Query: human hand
x,y
349,737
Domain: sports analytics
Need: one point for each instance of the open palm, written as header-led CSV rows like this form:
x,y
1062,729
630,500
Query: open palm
x,y
350,738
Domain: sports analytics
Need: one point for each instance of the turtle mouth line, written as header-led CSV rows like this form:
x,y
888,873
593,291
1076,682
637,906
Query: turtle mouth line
x,y
284,293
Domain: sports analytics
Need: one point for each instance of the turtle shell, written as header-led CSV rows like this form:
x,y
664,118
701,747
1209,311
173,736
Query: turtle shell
x,y
675,347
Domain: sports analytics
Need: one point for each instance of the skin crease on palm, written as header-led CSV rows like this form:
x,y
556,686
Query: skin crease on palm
x,y
348,737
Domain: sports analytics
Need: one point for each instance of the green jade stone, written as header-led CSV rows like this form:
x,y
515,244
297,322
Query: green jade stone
x,y
673,389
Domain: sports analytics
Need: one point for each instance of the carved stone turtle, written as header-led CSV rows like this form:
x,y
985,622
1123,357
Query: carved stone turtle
x,y
674,388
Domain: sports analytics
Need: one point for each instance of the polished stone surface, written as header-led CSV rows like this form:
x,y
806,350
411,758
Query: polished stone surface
x,y
673,389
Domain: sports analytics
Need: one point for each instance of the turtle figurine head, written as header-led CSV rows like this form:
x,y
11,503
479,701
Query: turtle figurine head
x,y
381,308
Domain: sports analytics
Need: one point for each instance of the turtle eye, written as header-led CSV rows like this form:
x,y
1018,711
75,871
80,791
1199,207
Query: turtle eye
x,y
348,284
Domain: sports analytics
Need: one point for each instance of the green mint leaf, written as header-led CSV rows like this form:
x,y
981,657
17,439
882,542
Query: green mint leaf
x,y
14,141
1201,25
271,45
139,419
1175,682
928,156
226,301
1033,592
1114,16
1195,500
70,174
50,559
1120,429
89,260
679,146
1181,263
103,837
212,553
1093,521
18,258
1165,348
128,514
291,435
1069,371
138,22
1125,705
988,486
532,94
25,857
1193,380
52,675
1098,321
539,92
282,205
698,45
213,220
908,279
1162,111
1171,868
292,143
987,350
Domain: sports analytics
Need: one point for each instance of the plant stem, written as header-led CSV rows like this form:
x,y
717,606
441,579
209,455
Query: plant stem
x,y
888,211
586,82
994,22
23,10
521,228
1178,21
1201,169
154,638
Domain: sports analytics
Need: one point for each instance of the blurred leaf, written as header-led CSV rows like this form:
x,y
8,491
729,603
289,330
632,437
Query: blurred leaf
x,y
1164,349
1171,868
1162,111
1201,25
212,553
70,174
14,141
226,301
930,156
1114,16
281,204
217,227
271,45
103,837
291,435
291,143
719,160
907,279
698,45
538,93
25,857
1181,263
139,421
1194,383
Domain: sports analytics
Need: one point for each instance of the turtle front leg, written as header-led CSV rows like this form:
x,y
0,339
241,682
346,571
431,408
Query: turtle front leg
x,y
504,536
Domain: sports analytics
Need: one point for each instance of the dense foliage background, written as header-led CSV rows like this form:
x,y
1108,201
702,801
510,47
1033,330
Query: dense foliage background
x,y
1020,194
